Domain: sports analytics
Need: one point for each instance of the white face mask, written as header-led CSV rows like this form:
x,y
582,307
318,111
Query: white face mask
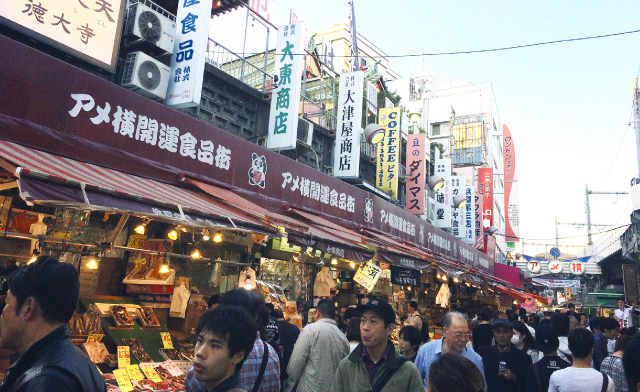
x,y
516,340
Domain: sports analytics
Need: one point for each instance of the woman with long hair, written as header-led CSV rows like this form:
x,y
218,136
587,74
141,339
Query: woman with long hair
x,y
454,373
524,341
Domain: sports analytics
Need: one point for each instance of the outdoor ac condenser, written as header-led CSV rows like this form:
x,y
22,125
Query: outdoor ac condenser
x,y
146,76
151,23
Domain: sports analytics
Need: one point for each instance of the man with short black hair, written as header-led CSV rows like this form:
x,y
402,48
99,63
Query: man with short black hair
x,y
41,299
609,329
571,309
318,351
624,314
455,336
483,333
561,324
213,302
580,376
375,364
413,317
225,337
505,367
541,371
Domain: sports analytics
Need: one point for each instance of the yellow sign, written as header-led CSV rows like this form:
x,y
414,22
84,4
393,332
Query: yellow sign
x,y
123,380
124,358
151,374
166,340
95,338
367,275
134,372
388,166
468,135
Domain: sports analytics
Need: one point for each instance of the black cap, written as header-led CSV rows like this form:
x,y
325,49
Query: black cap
x,y
546,338
502,322
382,308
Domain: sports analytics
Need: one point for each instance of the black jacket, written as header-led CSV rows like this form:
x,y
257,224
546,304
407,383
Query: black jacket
x,y
516,360
53,364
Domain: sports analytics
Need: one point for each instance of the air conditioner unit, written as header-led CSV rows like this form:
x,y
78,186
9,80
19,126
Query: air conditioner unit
x,y
151,23
146,76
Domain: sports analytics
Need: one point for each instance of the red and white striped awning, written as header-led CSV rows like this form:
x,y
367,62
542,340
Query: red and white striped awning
x,y
38,164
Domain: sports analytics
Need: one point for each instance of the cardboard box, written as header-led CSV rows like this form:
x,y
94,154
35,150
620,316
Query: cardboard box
x,y
192,316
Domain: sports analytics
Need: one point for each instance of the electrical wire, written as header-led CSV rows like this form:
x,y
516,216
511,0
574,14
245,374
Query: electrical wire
x,y
562,238
619,148
484,50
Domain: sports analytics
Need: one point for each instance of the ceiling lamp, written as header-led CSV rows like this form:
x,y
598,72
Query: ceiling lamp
x,y
455,280
172,235
435,182
414,117
438,276
408,288
444,277
92,264
459,201
205,235
334,261
352,265
217,237
165,267
141,227
195,254
373,133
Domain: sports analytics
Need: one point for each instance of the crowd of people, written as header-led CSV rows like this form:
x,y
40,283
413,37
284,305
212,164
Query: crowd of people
x,y
244,345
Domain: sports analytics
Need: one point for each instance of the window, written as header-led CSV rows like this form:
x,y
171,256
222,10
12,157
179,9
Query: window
x,y
435,130
363,62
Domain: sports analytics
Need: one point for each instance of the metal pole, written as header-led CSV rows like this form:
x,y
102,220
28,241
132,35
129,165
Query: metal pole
x,y
266,56
244,45
636,112
589,241
304,84
557,246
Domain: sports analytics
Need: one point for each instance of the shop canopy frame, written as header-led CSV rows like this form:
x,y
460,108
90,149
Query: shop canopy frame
x,y
521,295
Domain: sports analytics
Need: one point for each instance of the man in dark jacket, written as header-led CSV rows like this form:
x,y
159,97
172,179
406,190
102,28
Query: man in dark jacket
x,y
41,299
483,333
505,367
609,329
541,371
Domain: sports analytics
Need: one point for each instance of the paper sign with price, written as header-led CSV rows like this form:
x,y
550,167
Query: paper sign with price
x,y
151,374
134,372
123,380
172,368
95,338
368,275
166,340
123,357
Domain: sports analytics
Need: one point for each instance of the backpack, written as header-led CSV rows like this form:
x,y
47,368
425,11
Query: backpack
x,y
425,330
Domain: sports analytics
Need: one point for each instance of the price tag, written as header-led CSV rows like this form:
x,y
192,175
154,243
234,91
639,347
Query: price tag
x,y
95,338
134,372
151,374
166,339
123,380
123,357
172,368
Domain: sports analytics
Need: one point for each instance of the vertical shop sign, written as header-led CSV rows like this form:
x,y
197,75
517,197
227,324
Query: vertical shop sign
x,y
477,229
485,188
346,157
443,196
389,152
189,52
262,8
511,214
372,98
416,171
469,219
285,98
458,214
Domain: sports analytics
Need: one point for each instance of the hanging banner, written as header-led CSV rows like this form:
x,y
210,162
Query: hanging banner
x,y
285,97
404,276
469,219
416,172
189,52
478,229
557,283
389,152
458,214
367,275
346,157
443,195
403,261
485,188
511,214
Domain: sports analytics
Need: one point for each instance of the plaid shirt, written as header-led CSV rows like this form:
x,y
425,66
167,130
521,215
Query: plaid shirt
x,y
249,372
612,367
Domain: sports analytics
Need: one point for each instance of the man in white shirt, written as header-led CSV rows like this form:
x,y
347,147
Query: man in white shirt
x,y
414,317
580,376
623,314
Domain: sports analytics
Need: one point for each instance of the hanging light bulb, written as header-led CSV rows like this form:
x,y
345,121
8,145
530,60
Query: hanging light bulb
x,y
173,235
217,237
515,302
195,254
352,265
444,277
139,229
408,288
92,264
334,261
205,235
33,260
165,268
438,276
455,280
182,228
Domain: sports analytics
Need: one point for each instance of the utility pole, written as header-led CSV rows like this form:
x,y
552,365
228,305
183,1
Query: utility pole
x,y
576,224
588,192
636,113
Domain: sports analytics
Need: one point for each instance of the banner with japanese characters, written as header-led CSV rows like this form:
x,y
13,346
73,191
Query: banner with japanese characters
x,y
469,216
511,214
346,157
443,195
372,98
189,52
458,214
89,30
477,214
485,188
367,275
389,152
416,173
285,97
404,276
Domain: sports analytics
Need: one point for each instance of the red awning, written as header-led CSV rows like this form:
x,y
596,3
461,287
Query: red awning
x,y
522,296
92,178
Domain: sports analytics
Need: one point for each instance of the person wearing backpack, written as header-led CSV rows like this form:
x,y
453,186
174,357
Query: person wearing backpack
x,y
541,371
375,365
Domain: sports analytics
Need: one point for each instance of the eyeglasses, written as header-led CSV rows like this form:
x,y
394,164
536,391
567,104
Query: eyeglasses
x,y
459,335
